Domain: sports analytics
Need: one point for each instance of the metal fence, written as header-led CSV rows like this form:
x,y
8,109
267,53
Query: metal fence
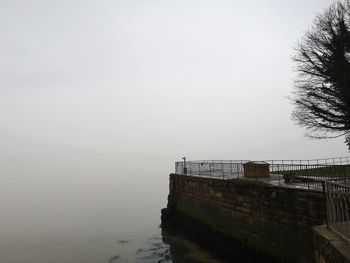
x,y
222,169
302,173
324,161
338,207
310,175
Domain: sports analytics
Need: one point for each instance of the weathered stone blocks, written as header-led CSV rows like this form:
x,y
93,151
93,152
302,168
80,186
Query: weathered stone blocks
x,y
272,220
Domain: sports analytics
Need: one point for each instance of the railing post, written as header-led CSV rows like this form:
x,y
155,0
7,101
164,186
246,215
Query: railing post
x,y
325,199
223,172
210,170
184,164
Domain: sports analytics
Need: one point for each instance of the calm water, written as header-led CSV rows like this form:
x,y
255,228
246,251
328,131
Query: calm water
x,y
91,209
68,246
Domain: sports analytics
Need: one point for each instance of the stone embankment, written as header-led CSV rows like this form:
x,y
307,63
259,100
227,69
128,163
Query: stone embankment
x,y
230,216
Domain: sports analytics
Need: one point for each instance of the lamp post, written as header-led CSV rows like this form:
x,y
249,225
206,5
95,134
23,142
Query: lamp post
x,y
185,168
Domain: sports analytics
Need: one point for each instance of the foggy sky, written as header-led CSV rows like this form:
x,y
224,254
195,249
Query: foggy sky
x,y
151,79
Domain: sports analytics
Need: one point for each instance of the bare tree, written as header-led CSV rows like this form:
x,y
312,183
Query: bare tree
x,y
322,88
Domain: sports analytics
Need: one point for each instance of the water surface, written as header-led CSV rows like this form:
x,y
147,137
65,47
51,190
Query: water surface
x,y
87,208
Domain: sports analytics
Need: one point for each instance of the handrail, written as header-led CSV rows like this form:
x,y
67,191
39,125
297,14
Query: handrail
x,y
338,207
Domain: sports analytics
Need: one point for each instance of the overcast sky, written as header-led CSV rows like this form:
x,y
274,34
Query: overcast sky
x,y
134,79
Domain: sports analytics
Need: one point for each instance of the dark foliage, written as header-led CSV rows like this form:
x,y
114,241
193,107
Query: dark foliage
x,y
322,89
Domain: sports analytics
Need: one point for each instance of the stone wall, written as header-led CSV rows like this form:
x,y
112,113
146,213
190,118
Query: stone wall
x,y
271,220
330,247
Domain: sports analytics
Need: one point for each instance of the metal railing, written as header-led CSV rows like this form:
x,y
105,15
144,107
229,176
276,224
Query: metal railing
x,y
338,207
324,161
303,173
222,169
309,175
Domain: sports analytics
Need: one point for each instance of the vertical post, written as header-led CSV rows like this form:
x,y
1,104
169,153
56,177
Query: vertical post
x,y
238,169
185,168
283,171
223,172
210,170
325,198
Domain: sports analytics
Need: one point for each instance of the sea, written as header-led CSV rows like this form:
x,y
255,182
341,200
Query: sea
x,y
88,208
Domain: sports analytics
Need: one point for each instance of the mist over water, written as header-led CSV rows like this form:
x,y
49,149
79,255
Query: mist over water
x,y
87,208
65,208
